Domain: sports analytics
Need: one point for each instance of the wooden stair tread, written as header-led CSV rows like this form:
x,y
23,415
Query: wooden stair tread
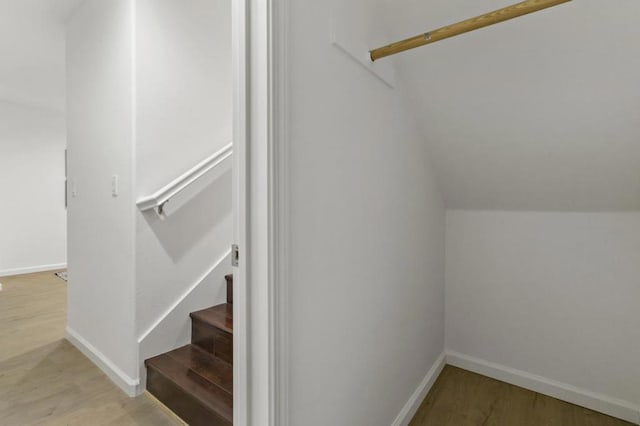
x,y
220,316
200,375
210,367
196,380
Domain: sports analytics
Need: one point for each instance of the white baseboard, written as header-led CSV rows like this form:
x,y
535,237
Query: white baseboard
x,y
411,407
130,386
32,269
594,401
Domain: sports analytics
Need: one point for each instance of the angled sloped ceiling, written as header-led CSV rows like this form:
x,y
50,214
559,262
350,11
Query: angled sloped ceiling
x,y
538,113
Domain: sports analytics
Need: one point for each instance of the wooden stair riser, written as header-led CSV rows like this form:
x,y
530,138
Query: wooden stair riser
x,y
213,340
207,366
196,380
181,401
229,279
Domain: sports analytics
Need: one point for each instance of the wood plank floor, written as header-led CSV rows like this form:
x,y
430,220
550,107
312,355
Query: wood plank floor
x,y
462,398
44,380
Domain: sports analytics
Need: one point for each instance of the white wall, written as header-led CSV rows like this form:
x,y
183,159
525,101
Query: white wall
x,y
183,68
101,295
538,113
183,65
149,97
366,290
33,218
32,45
551,294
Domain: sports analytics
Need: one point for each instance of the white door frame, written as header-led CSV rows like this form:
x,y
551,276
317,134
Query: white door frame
x,y
260,211
279,208
239,11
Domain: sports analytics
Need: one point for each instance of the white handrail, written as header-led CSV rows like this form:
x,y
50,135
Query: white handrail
x,y
161,196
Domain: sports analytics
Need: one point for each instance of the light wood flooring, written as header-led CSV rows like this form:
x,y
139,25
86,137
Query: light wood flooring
x,y
44,380
462,398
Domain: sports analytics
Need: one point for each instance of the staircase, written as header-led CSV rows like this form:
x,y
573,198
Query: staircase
x,y
196,381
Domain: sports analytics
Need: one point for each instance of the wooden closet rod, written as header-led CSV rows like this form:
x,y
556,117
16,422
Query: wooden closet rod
x,y
491,18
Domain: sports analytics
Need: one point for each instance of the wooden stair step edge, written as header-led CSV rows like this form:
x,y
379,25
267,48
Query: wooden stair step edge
x,y
199,392
220,317
212,331
229,279
201,362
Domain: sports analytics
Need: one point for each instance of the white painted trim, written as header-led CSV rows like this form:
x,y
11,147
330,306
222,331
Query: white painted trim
x,y
128,385
241,90
594,401
279,214
259,361
258,256
165,193
32,269
223,259
411,407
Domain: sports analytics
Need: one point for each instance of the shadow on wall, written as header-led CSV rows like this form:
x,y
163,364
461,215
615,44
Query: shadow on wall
x,y
190,216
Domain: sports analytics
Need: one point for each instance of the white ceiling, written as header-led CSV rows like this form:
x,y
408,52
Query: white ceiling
x,y
32,55
538,113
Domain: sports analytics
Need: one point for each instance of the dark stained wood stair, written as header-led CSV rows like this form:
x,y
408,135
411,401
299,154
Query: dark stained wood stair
x,y
196,380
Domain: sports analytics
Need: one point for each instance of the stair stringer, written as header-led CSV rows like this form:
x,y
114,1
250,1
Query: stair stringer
x,y
173,328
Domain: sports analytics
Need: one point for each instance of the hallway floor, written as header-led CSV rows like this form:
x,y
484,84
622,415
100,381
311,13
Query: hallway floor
x,y
462,398
44,380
